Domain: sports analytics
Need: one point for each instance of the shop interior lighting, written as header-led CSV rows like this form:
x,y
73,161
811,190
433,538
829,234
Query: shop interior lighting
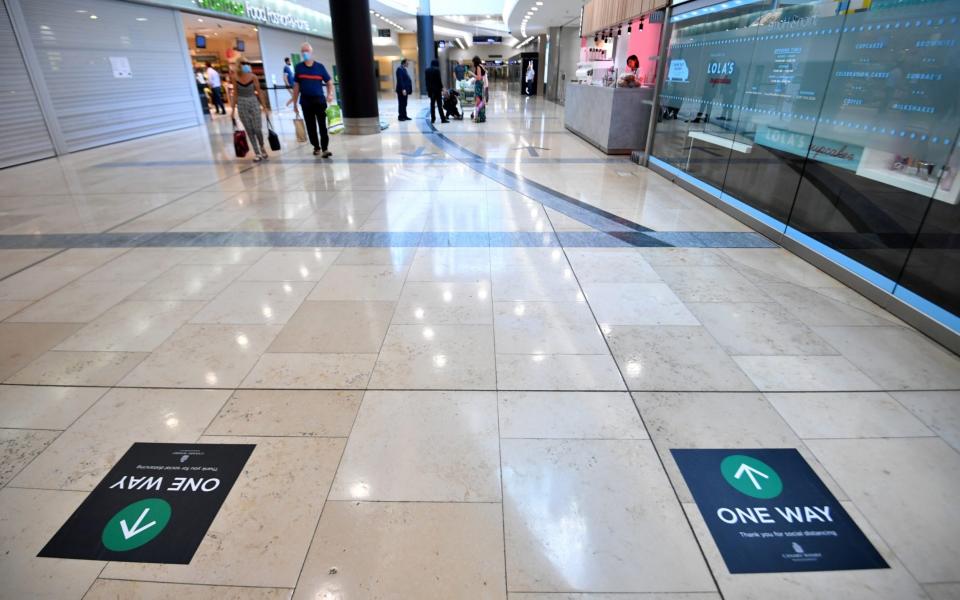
x,y
94,17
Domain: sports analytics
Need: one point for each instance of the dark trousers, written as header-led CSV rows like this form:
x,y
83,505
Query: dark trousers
x,y
436,104
314,116
217,93
402,103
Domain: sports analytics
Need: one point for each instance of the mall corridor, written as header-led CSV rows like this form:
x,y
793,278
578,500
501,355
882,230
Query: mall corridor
x,y
462,356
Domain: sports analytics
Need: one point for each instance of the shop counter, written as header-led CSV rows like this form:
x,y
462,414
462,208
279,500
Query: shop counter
x,y
615,120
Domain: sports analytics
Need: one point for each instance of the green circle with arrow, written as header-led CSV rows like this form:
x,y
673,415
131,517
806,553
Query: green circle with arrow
x,y
750,476
136,524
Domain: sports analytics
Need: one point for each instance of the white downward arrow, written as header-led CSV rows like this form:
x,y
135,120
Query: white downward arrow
x,y
129,533
750,471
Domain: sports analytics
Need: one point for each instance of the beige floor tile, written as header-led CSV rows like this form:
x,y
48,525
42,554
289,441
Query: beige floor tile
x,y
225,256
376,256
764,328
674,358
588,372
710,284
20,446
564,536
38,407
682,257
427,551
637,304
943,591
574,415
817,309
336,327
12,261
916,363
378,283
204,356
263,530
21,343
291,265
255,303
422,446
804,373
132,326
189,282
940,411
79,302
445,303
604,265
112,589
436,357
531,285
139,264
895,583
311,371
663,596
776,265
85,452
542,327
718,420
54,273
907,488
28,519
287,413
847,415
12,307
78,368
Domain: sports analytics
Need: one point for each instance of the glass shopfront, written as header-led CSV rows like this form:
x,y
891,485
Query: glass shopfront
x,y
835,122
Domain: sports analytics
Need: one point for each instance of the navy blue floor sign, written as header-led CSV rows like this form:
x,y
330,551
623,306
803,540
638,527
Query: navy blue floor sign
x,y
155,505
768,512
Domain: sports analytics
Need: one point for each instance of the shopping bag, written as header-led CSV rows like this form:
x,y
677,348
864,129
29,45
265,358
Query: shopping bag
x,y
272,137
334,120
301,129
240,145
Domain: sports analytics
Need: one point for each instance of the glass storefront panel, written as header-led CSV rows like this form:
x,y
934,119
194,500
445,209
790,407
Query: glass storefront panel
x,y
837,119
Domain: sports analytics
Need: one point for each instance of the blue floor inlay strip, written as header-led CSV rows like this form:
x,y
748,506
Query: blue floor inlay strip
x,y
583,212
383,239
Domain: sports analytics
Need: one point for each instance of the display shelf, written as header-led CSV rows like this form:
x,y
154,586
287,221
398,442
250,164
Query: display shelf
x,y
875,165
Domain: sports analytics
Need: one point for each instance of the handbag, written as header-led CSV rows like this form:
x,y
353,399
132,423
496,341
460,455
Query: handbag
x,y
272,137
301,129
240,144
334,119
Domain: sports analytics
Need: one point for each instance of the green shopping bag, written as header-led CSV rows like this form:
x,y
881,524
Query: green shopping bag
x,y
334,119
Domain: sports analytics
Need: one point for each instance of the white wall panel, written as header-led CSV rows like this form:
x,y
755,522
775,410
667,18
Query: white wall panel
x,y
92,106
25,136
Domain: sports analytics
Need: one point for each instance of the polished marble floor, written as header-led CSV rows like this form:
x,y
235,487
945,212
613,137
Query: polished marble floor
x,y
463,356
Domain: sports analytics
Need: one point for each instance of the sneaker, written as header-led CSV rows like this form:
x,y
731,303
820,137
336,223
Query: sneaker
x,y
326,154
316,151
257,159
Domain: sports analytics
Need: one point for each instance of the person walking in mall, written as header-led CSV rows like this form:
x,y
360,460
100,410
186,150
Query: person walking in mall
x,y
313,87
288,78
213,82
404,89
435,91
531,76
480,87
248,99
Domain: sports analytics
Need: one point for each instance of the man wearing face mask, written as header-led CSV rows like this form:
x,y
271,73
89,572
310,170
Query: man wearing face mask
x,y
313,87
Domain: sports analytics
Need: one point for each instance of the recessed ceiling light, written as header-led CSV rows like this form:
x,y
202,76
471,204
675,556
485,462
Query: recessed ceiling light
x,y
535,8
80,11
141,19
94,17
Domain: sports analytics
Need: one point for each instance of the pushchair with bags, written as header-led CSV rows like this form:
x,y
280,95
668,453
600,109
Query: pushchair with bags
x,y
451,104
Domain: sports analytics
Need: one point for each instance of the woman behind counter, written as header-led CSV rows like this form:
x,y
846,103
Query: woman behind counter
x,y
631,76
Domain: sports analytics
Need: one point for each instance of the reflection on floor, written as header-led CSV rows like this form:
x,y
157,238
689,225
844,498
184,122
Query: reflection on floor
x,y
463,364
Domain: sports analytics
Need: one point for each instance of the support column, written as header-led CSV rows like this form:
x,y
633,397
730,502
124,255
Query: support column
x,y
426,48
353,49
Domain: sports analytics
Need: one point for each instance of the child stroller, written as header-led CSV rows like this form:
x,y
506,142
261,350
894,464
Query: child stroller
x,y
451,104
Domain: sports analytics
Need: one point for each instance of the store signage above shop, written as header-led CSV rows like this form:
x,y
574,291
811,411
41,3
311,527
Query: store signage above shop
x,y
282,14
488,39
768,512
155,505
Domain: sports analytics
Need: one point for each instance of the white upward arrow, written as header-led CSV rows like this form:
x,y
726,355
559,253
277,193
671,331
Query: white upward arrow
x,y
750,471
129,533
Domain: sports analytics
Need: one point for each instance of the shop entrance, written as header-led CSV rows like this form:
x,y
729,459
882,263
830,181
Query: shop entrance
x,y
222,44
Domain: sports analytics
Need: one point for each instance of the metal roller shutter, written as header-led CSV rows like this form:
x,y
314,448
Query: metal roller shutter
x,y
25,136
74,41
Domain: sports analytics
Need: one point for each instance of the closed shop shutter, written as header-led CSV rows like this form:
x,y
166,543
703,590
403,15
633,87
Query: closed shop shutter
x,y
83,48
25,136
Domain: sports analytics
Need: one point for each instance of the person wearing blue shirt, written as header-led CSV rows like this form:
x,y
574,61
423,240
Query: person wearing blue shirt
x,y
459,71
404,89
288,78
313,86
